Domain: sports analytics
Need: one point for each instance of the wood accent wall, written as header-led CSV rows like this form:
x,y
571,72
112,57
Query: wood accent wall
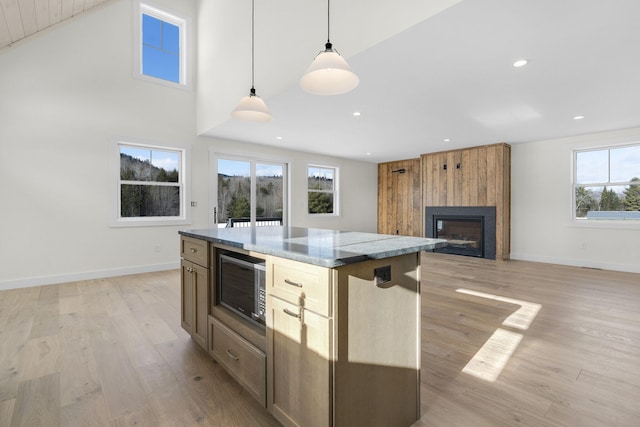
x,y
477,176
400,209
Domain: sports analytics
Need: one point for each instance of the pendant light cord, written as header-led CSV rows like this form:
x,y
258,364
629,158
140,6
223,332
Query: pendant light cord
x,y
252,45
328,19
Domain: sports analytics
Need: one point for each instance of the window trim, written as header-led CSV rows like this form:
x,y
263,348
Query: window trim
x,y
335,192
599,223
186,43
183,183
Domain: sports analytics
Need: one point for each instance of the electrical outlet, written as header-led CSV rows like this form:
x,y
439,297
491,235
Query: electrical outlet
x,y
194,204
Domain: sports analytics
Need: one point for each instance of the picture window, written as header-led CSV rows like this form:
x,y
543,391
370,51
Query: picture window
x,y
607,183
151,185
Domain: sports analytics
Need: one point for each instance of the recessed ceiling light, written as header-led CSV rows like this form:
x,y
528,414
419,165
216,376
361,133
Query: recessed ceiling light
x,y
520,63
368,154
578,118
447,140
278,137
356,113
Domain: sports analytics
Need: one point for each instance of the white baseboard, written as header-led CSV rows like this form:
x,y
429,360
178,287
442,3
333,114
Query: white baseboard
x,y
88,275
577,263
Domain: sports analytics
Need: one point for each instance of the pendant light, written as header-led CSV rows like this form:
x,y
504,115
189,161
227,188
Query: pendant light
x,y
252,107
329,73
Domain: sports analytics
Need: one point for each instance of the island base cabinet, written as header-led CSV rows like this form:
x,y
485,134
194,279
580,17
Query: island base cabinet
x,y
361,365
300,372
341,347
195,301
377,357
245,362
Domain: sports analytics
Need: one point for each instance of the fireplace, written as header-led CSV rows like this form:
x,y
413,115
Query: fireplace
x,y
469,231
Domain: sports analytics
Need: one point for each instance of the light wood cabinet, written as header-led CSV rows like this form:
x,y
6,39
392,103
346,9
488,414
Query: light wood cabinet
x,y
400,198
476,176
195,276
299,344
245,362
357,361
341,346
308,285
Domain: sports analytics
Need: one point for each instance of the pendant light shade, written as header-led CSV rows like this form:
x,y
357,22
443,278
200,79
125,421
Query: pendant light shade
x,y
252,107
329,73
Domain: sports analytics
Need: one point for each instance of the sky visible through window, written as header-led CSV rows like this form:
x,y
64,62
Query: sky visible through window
x,y
242,168
160,49
166,160
594,167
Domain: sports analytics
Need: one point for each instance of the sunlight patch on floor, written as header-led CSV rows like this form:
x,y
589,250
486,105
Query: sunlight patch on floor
x,y
493,356
488,362
519,319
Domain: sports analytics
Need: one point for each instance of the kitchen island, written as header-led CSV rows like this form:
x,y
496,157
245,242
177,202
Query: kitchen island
x,y
340,344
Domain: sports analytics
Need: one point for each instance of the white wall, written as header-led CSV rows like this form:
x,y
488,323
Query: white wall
x,y
542,228
65,98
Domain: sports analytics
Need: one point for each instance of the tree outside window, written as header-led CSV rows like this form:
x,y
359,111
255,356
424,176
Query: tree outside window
x,y
607,183
321,189
150,182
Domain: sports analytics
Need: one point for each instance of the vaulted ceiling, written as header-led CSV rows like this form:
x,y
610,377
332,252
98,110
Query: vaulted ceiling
x,y
444,81
23,18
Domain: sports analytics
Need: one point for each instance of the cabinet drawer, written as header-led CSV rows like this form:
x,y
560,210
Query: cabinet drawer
x,y
305,285
243,361
195,250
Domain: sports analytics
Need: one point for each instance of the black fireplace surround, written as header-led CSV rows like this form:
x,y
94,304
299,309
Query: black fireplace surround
x,y
485,216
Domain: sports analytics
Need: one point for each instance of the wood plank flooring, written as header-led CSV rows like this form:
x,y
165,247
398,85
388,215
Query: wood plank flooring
x,y
576,364
503,344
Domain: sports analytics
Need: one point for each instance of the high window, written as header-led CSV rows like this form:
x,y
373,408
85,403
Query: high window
x,y
161,45
151,185
607,183
321,190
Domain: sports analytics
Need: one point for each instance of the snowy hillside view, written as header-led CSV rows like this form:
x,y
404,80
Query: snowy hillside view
x,y
147,190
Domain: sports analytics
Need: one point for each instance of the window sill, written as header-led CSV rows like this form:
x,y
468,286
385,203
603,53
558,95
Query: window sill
x,y
162,82
629,224
149,222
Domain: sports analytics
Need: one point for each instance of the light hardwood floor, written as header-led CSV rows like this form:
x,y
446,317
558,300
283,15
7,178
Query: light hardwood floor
x,y
504,344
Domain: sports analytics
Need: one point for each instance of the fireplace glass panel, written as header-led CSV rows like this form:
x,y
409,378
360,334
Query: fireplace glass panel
x,y
463,234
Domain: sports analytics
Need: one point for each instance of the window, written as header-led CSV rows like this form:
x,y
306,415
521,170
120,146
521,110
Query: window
x,y
607,183
321,190
151,185
161,45
250,192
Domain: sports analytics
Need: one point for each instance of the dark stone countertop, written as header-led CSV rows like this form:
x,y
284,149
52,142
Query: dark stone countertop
x,y
326,248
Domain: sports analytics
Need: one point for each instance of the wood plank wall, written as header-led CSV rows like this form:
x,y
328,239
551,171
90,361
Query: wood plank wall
x,y
400,209
477,176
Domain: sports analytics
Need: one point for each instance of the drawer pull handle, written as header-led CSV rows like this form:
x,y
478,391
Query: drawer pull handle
x,y
289,282
291,313
231,355
193,250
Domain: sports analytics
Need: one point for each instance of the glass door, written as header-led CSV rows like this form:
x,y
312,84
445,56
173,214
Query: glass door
x,y
248,192
269,194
